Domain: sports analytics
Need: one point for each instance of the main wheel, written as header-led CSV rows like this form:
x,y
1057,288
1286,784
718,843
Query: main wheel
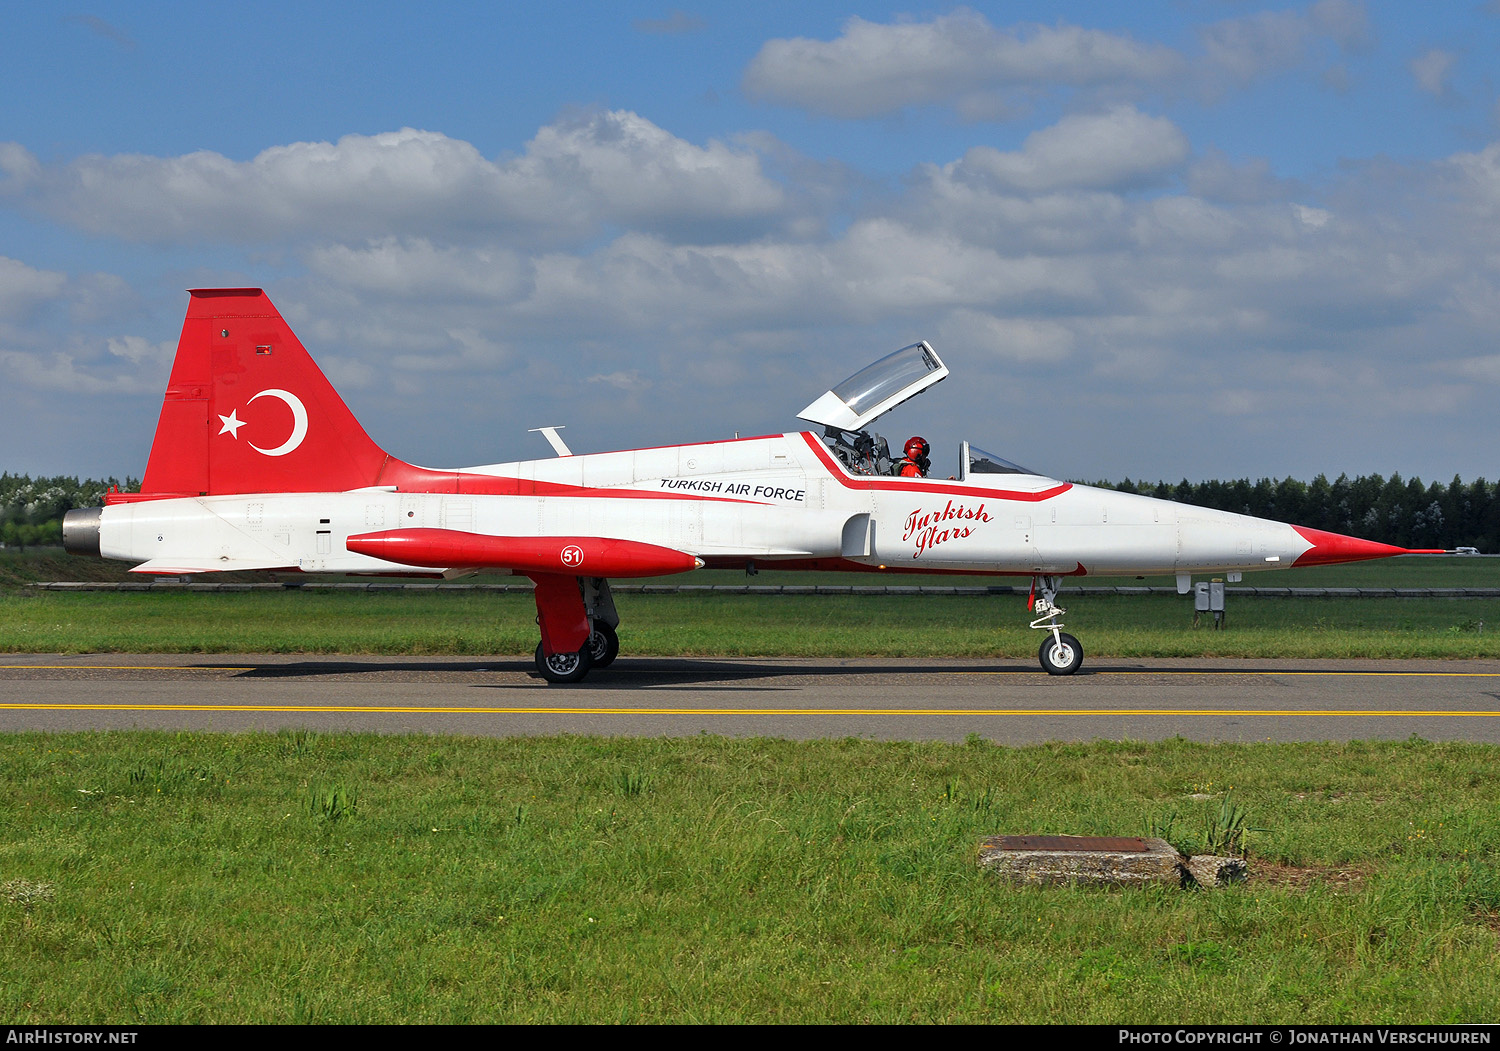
x,y
564,667
604,645
1061,655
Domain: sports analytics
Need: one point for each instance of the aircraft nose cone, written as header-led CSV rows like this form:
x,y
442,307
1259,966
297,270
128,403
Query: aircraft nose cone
x,y
1330,548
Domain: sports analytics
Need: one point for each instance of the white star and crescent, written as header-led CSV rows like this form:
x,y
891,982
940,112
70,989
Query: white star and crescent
x,y
232,423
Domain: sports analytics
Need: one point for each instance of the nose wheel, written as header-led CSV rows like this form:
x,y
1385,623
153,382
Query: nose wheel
x,y
1061,653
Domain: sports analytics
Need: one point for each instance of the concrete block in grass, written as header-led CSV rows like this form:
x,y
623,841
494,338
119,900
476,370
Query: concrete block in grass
x,y
1210,870
1118,861
1112,861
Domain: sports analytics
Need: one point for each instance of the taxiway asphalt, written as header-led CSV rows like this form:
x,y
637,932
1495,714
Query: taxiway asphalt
x,y
1011,702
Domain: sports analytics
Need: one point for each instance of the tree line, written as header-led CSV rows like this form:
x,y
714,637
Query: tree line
x,y
1391,510
32,509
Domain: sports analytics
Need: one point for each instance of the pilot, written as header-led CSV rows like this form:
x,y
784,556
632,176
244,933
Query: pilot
x,y
915,463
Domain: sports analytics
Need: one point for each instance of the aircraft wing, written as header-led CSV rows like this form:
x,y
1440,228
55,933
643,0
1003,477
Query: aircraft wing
x,y
175,567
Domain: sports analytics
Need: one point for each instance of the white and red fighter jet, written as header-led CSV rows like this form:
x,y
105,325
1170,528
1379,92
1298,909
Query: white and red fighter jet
x,y
257,464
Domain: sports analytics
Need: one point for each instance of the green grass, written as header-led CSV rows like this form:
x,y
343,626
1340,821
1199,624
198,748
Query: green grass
x,y
347,878
487,623
150,878
695,624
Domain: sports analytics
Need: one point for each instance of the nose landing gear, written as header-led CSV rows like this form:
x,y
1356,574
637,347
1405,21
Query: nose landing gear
x,y
1061,653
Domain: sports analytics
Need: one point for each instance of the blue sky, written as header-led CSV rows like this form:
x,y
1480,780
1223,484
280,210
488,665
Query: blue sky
x,y
1157,240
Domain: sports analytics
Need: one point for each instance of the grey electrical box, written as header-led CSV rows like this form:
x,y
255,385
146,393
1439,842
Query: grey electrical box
x,y
1208,597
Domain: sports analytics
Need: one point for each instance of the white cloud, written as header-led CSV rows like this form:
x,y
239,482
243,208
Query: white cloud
x,y
873,68
1484,369
42,349
1119,149
1245,48
1345,22
1317,218
1472,180
1008,339
630,382
346,373
24,289
988,73
403,301
675,24
1135,287
1025,251
60,371
416,268
1433,71
100,298
20,167
574,177
1215,177
1267,42
948,198
139,351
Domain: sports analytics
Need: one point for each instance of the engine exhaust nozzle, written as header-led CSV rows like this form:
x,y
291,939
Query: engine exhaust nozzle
x,y
81,531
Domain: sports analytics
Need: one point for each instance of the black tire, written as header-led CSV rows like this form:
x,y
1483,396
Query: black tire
x,y
1062,655
604,645
564,667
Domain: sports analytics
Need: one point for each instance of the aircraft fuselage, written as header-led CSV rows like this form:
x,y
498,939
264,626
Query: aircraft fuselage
x,y
773,499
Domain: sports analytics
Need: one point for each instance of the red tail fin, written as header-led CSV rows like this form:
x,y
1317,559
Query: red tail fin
x,y
247,411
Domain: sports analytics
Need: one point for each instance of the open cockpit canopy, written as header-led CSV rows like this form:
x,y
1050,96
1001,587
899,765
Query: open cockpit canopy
x,y
849,408
877,389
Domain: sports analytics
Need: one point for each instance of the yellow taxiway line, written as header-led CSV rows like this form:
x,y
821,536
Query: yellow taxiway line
x,y
1334,673
341,709
125,667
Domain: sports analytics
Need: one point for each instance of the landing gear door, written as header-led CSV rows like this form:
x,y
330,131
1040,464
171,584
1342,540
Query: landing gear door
x,y
876,389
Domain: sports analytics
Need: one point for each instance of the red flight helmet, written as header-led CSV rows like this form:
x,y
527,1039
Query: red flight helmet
x,y
917,447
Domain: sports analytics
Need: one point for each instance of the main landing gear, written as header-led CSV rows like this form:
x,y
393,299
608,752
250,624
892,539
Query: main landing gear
x,y
1061,653
578,619
564,667
604,644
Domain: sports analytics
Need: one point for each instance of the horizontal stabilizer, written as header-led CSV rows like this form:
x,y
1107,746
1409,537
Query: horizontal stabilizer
x,y
580,556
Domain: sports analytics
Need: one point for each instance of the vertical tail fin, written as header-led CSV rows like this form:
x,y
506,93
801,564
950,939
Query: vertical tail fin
x,y
247,410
